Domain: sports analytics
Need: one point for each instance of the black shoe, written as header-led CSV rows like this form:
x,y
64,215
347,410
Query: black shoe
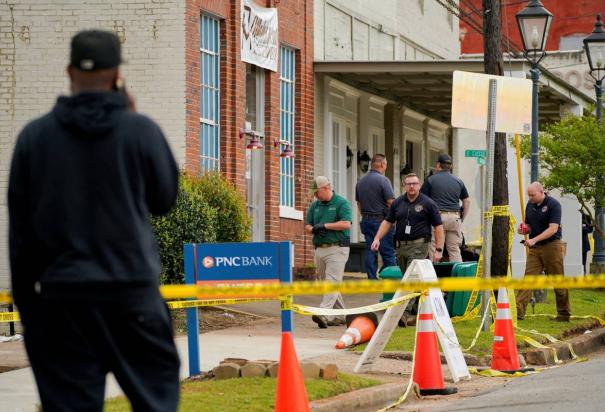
x,y
321,321
562,318
336,322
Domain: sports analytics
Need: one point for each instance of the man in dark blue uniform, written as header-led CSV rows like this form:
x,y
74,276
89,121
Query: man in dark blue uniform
x,y
447,191
415,216
545,248
84,262
374,195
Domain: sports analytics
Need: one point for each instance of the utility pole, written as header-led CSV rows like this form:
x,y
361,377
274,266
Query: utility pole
x,y
494,64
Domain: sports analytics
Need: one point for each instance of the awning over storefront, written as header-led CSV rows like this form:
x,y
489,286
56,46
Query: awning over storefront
x,y
426,86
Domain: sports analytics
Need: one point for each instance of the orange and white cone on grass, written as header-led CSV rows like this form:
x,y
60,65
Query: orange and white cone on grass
x,y
504,353
360,329
291,393
427,373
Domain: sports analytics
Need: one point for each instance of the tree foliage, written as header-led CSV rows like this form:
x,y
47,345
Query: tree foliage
x,y
208,209
572,159
234,223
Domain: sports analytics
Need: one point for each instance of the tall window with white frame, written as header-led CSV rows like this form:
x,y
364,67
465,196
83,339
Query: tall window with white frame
x,y
286,165
209,93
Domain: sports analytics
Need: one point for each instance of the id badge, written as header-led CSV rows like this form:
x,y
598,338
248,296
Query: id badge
x,y
408,229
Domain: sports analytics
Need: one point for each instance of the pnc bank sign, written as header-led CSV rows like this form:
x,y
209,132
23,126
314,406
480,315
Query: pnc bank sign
x,y
236,261
239,261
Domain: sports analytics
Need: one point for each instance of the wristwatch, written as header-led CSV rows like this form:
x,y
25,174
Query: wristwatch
x,y
438,249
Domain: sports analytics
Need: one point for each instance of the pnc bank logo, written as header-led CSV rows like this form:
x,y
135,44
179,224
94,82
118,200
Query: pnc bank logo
x,y
208,262
236,261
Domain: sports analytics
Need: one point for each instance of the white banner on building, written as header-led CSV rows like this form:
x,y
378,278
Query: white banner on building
x,y
259,35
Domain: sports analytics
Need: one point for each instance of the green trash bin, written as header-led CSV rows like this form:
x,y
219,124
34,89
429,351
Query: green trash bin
x,y
390,272
457,302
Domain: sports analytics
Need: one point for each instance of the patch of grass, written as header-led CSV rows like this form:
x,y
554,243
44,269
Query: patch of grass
x,y
582,301
247,394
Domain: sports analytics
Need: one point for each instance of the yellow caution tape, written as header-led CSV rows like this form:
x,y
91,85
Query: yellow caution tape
x,y
552,339
9,317
502,210
536,344
492,373
471,310
370,286
411,384
547,315
287,302
183,304
5,297
479,329
467,314
310,310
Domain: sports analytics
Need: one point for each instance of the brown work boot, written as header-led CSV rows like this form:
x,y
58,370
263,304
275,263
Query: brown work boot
x,y
336,322
321,321
407,319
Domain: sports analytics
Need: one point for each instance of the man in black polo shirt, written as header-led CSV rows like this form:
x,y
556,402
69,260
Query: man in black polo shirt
x,y
414,214
447,191
374,195
546,250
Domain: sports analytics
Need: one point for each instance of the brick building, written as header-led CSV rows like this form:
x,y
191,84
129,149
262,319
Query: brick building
x,y
572,22
276,105
185,69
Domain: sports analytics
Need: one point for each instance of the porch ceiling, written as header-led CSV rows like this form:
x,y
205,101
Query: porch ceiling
x,y
426,86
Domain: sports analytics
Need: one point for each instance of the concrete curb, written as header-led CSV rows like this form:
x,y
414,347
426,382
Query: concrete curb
x,y
371,399
362,400
582,345
470,360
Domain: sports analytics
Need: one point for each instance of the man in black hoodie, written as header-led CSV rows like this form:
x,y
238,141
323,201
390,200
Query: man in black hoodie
x,y
84,261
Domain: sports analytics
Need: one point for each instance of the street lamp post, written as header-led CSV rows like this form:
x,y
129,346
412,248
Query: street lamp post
x,y
594,45
534,24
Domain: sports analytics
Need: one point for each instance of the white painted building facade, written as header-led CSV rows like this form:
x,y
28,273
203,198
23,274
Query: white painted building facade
x,y
357,107
348,119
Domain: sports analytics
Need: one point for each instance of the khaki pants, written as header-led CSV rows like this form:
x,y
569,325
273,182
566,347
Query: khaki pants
x,y
330,263
452,229
405,255
547,258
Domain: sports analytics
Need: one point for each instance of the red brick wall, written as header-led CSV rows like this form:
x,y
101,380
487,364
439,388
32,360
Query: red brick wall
x,y
569,17
295,30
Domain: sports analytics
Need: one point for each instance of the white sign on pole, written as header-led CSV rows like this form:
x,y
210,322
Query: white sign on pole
x,y
259,35
513,102
421,270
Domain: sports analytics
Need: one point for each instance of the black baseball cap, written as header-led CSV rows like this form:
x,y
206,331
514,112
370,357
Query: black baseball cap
x,y
95,50
444,158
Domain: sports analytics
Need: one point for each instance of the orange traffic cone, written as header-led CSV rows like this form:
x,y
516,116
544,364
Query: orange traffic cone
x,y
360,329
427,372
291,392
504,353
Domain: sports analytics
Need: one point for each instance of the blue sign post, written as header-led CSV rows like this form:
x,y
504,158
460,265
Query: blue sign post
x,y
232,263
193,324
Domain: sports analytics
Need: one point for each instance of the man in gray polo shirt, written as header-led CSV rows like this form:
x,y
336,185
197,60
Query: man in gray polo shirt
x,y
447,191
374,195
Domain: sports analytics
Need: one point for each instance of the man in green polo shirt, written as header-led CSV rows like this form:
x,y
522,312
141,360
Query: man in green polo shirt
x,y
329,220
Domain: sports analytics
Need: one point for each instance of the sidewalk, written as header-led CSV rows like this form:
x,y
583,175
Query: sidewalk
x,y
259,340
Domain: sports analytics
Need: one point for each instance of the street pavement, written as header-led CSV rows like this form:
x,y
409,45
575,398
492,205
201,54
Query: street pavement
x,y
257,340
572,387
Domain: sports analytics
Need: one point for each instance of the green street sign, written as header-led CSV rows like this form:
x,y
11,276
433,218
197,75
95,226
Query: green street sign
x,y
475,153
481,161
